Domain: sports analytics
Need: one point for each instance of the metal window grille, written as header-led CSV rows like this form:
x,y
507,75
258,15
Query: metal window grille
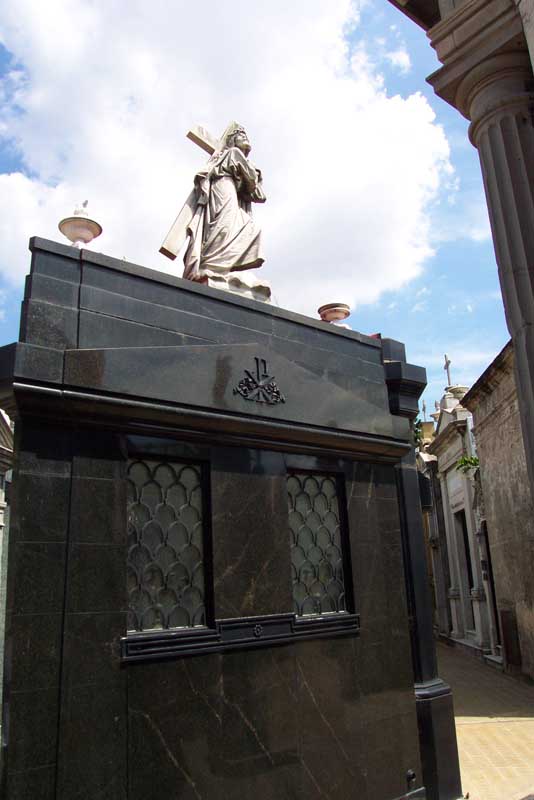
x,y
316,546
166,585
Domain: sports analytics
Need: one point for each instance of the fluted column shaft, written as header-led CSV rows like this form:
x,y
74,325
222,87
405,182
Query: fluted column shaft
x,y
498,97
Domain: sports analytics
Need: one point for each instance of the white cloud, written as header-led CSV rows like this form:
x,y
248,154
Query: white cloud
x,y
465,220
400,59
462,308
417,307
100,100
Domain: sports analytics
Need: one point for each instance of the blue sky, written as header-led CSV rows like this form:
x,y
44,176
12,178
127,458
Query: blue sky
x,y
373,199
455,306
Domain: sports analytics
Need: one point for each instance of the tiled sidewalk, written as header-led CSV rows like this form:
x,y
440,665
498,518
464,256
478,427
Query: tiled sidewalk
x,y
494,716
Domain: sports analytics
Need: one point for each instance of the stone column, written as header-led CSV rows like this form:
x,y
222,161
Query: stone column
x,y
526,10
499,98
487,75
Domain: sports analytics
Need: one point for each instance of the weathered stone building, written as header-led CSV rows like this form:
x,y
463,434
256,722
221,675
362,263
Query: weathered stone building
x,y
508,507
463,610
479,523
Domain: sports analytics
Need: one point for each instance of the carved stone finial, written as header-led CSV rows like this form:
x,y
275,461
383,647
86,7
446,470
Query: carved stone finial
x,y
334,312
80,229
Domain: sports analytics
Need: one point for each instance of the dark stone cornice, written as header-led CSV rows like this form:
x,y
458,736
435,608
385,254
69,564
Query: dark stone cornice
x,y
425,13
406,383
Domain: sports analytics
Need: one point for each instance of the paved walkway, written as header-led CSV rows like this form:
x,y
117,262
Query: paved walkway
x,y
494,716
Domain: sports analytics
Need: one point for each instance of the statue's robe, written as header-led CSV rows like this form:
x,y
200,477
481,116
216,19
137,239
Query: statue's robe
x,y
223,235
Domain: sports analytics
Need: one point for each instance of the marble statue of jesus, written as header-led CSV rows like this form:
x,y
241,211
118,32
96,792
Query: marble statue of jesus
x,y
224,240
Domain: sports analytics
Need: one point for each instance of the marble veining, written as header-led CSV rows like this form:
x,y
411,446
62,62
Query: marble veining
x,y
313,779
327,723
172,758
198,694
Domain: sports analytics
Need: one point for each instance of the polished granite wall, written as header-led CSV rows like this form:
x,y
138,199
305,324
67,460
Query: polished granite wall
x,y
308,716
315,718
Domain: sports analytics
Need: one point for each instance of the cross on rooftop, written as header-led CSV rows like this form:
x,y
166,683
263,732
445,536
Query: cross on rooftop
x,y
448,363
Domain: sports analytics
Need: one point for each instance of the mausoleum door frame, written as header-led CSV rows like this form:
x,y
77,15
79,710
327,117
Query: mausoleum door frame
x,y
454,589
469,623
438,576
479,600
471,530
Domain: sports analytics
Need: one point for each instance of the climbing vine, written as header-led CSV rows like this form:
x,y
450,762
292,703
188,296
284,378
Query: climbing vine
x,y
465,463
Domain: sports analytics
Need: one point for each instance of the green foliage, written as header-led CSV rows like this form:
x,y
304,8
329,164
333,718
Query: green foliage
x,y
417,431
465,463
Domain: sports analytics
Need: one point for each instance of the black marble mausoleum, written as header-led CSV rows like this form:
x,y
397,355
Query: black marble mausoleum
x,y
215,551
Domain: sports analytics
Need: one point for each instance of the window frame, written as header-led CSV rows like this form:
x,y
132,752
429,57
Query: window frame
x,y
222,635
207,555
338,475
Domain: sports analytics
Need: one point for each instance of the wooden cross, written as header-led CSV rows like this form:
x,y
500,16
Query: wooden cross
x,y
447,369
177,235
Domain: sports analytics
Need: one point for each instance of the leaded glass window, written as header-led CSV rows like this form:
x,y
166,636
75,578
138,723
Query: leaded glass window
x,y
316,546
165,545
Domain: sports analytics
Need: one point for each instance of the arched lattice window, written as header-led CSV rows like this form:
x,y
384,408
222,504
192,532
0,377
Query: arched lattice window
x,y
317,558
166,584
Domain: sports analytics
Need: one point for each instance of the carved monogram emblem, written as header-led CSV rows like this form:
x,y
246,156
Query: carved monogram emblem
x,y
261,387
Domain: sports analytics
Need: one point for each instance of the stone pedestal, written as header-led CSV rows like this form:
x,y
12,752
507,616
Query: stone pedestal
x,y
213,534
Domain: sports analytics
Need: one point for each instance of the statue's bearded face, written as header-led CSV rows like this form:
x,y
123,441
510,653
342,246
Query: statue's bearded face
x,y
241,141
